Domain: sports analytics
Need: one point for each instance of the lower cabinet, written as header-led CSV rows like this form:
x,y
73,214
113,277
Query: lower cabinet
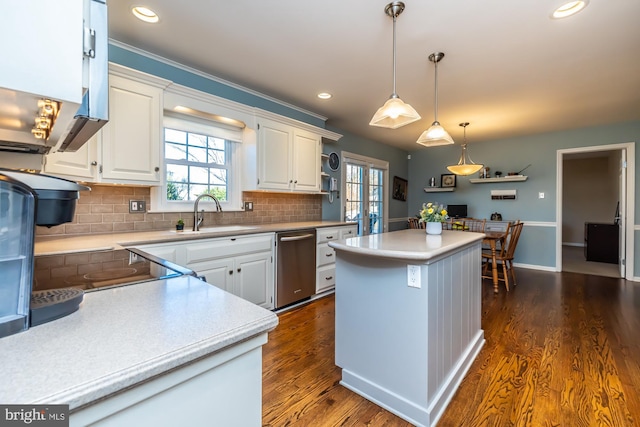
x,y
326,256
241,265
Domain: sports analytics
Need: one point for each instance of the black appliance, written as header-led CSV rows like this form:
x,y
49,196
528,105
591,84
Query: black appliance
x,y
601,242
457,211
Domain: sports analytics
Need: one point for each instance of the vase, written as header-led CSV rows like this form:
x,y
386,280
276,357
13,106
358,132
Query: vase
x,y
434,228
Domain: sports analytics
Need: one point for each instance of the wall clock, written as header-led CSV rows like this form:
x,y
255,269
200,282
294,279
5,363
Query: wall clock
x,y
334,161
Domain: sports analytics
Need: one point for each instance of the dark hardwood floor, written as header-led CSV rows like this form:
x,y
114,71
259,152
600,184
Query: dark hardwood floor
x,y
562,349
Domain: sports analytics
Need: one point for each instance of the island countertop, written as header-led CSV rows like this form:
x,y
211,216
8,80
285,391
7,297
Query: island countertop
x,y
411,244
124,336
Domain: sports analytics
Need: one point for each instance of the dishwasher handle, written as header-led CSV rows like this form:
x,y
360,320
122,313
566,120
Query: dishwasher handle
x,y
294,238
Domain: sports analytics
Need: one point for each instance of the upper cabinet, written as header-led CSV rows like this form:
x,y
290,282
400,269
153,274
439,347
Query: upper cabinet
x,y
288,158
288,155
127,149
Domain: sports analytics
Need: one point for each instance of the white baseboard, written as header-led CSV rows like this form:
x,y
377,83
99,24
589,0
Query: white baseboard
x,y
579,245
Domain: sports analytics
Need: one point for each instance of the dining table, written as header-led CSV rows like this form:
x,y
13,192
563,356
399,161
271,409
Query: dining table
x,y
492,238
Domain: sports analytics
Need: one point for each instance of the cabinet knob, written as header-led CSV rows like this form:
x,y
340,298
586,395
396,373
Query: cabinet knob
x,y
239,270
94,163
157,169
295,182
230,272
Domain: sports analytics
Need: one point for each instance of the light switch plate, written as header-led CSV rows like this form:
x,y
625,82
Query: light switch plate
x,y
248,206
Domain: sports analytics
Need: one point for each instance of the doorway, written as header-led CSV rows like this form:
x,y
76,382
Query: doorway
x,y
365,182
595,192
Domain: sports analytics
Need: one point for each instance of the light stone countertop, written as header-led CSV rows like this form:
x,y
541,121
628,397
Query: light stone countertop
x,y
123,336
51,245
412,245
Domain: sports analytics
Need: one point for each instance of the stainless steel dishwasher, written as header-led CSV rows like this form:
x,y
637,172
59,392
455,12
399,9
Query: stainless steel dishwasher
x,y
295,266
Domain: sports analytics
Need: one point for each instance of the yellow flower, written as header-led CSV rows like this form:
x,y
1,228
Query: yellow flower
x,y
430,211
443,212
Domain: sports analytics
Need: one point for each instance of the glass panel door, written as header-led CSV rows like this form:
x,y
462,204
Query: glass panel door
x,y
376,200
354,190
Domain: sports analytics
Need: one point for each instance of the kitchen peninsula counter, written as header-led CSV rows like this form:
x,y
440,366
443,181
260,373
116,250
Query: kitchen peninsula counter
x,y
51,245
131,344
408,309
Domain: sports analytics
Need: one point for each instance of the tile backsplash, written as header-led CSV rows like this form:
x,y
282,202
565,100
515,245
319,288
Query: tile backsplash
x,y
106,210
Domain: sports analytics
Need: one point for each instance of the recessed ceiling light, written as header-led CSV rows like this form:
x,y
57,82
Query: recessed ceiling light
x,y
145,14
570,8
324,95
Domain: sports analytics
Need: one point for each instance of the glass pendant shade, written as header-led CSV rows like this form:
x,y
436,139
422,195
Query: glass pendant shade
x,y
394,114
465,165
434,136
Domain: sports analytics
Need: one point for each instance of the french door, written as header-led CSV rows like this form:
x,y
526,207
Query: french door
x,y
365,182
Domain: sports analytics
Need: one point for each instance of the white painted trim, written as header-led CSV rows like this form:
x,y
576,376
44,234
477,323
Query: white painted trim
x,y
573,244
211,77
535,267
630,200
540,223
296,123
138,76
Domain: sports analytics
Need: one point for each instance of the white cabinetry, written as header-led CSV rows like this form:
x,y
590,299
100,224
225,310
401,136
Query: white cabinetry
x,y
241,265
326,256
127,148
288,158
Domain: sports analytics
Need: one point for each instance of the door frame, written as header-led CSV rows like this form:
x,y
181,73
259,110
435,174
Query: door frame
x,y
369,162
629,200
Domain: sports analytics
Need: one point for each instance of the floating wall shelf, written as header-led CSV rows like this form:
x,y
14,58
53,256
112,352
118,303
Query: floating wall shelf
x,y
512,178
438,189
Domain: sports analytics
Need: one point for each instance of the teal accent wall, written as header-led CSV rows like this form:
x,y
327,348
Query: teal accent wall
x,y
398,166
180,76
511,155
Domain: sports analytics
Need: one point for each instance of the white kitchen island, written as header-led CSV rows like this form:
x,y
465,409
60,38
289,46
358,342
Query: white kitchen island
x,y
408,309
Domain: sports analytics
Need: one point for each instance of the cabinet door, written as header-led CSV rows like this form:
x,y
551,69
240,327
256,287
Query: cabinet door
x,y
131,138
253,279
219,272
274,156
307,150
81,164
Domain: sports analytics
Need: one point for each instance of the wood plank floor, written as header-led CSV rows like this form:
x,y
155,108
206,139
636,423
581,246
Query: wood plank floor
x,y
562,349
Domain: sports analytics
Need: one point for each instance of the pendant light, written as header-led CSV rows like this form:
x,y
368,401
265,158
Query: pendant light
x,y
394,113
435,135
465,165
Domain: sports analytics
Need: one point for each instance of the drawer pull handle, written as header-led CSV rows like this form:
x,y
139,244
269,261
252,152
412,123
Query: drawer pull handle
x,y
329,237
328,278
328,255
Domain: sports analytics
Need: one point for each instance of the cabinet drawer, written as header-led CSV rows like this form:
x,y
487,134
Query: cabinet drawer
x,y
348,232
225,247
327,234
325,255
326,278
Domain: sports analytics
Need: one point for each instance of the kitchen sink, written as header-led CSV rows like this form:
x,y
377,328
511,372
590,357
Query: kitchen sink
x,y
217,229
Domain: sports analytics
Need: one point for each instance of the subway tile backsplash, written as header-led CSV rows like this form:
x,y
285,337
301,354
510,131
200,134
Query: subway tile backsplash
x,y
106,210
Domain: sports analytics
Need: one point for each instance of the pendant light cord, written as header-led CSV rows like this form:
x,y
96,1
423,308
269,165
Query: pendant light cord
x,y
436,92
394,94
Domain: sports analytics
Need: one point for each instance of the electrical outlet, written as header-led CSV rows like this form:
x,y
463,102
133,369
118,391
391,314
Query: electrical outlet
x,y
137,206
248,206
413,276
540,195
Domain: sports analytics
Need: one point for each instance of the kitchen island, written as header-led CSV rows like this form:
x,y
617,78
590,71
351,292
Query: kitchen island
x,y
408,309
163,353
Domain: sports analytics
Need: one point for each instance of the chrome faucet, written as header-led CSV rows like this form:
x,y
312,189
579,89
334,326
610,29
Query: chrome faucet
x,y
197,218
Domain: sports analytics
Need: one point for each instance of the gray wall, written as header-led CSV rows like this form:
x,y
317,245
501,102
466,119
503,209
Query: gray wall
x,y
590,194
537,245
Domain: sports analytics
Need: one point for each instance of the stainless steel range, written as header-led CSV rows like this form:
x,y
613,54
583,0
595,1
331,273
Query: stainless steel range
x,y
60,280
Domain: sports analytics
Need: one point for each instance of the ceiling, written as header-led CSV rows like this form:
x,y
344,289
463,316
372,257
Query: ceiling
x,y
508,68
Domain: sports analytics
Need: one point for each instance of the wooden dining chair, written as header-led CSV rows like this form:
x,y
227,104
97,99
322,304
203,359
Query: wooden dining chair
x,y
475,225
504,256
414,223
453,224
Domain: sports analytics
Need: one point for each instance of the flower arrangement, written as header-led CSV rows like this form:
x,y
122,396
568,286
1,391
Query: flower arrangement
x,y
433,212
